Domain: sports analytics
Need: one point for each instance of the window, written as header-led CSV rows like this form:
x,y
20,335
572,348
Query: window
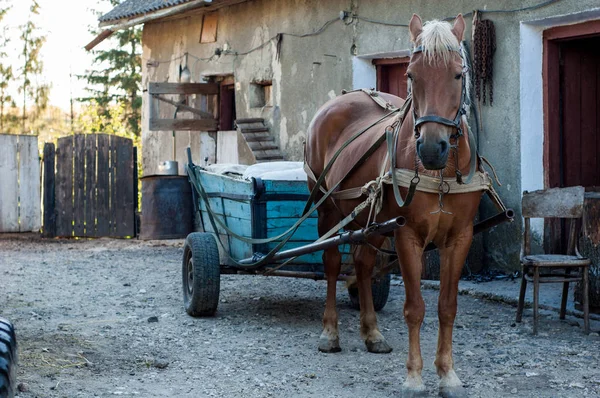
x,y
209,28
261,94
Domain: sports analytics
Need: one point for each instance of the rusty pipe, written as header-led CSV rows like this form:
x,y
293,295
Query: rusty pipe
x,y
353,237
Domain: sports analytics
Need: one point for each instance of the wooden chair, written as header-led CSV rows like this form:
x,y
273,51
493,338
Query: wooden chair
x,y
566,203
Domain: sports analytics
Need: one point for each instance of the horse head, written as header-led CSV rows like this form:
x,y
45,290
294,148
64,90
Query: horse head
x,y
437,78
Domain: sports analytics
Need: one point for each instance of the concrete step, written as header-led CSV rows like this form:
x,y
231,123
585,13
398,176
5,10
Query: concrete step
x,y
252,130
250,120
269,159
262,145
254,137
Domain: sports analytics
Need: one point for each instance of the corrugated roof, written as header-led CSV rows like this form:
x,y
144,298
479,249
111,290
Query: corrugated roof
x,y
134,8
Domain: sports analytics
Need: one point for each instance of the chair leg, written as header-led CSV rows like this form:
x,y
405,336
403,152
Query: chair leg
x,y
586,304
565,296
536,295
521,296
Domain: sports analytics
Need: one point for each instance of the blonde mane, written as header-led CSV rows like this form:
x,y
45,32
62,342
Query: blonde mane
x,y
438,41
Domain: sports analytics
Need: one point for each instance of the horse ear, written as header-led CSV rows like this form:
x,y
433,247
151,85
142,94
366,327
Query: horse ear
x,y
415,27
459,27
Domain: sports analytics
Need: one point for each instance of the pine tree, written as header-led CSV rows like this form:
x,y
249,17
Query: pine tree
x,y
6,72
31,88
117,76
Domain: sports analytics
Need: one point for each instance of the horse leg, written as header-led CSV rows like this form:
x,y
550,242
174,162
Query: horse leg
x,y
332,261
364,262
410,251
452,260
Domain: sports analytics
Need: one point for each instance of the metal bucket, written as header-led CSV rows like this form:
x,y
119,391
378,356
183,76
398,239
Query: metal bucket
x,y
168,168
167,207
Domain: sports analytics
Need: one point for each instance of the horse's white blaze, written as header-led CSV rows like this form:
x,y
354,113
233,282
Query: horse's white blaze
x,y
450,379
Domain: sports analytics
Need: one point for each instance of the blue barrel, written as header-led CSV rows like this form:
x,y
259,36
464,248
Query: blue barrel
x,y
167,207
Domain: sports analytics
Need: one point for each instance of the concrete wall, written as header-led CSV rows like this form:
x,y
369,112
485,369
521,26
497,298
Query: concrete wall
x,y
311,70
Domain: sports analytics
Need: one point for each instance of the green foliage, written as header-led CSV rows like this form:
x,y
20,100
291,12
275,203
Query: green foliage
x,y
116,79
31,70
6,72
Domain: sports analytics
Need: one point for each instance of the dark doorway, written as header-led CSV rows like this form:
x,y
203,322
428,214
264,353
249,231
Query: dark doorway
x,y
571,112
391,76
227,104
579,72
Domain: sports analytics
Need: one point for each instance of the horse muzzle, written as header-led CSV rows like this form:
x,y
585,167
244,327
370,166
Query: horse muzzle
x,y
433,155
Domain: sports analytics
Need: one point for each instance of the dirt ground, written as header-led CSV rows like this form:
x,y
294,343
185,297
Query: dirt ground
x,y
105,317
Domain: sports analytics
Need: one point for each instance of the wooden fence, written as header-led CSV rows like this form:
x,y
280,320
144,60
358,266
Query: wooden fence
x,y
19,183
94,190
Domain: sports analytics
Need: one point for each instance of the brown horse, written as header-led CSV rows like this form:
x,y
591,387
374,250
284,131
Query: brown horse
x,y
436,73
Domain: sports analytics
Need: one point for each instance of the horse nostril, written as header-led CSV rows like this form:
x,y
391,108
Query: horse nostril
x,y
443,148
419,142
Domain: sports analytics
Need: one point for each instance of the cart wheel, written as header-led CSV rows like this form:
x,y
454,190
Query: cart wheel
x,y
380,289
8,359
201,274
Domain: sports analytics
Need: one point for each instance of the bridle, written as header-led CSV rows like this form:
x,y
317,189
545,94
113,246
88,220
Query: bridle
x,y
455,123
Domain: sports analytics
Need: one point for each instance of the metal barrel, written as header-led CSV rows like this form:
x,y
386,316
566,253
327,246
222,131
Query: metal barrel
x,y
167,207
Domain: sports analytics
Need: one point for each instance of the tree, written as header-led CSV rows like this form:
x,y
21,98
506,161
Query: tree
x,y
117,77
6,72
31,87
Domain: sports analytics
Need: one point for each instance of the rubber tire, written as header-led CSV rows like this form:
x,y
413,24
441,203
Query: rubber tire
x,y
201,274
8,359
380,289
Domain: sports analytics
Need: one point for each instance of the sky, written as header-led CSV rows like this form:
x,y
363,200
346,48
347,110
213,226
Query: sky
x,y
65,23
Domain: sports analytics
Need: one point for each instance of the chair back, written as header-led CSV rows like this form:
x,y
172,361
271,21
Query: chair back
x,y
553,203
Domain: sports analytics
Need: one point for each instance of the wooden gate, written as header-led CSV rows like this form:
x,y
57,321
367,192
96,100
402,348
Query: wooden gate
x,y
94,187
19,183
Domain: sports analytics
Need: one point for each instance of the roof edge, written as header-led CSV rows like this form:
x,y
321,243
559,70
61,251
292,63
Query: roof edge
x,y
149,16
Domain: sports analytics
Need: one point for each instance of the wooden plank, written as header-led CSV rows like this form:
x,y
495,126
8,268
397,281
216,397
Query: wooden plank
x,y
286,187
135,192
90,185
79,185
588,173
571,137
209,27
112,187
555,202
64,187
238,225
124,201
223,184
552,112
183,88
183,107
183,124
29,185
9,188
102,187
49,217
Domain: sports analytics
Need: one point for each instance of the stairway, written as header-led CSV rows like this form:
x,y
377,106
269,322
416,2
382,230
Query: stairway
x,y
259,140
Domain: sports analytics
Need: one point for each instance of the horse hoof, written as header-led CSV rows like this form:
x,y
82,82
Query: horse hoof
x,y
378,347
453,392
329,346
413,392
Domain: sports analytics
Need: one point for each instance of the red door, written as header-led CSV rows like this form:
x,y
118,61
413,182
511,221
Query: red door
x,y
571,114
580,119
391,76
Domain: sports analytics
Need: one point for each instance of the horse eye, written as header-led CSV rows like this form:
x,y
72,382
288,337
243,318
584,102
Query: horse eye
x,y
409,75
457,77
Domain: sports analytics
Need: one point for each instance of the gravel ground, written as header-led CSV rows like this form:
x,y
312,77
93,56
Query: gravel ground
x,y
105,317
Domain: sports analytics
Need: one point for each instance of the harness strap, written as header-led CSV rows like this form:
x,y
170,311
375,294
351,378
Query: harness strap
x,y
374,95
